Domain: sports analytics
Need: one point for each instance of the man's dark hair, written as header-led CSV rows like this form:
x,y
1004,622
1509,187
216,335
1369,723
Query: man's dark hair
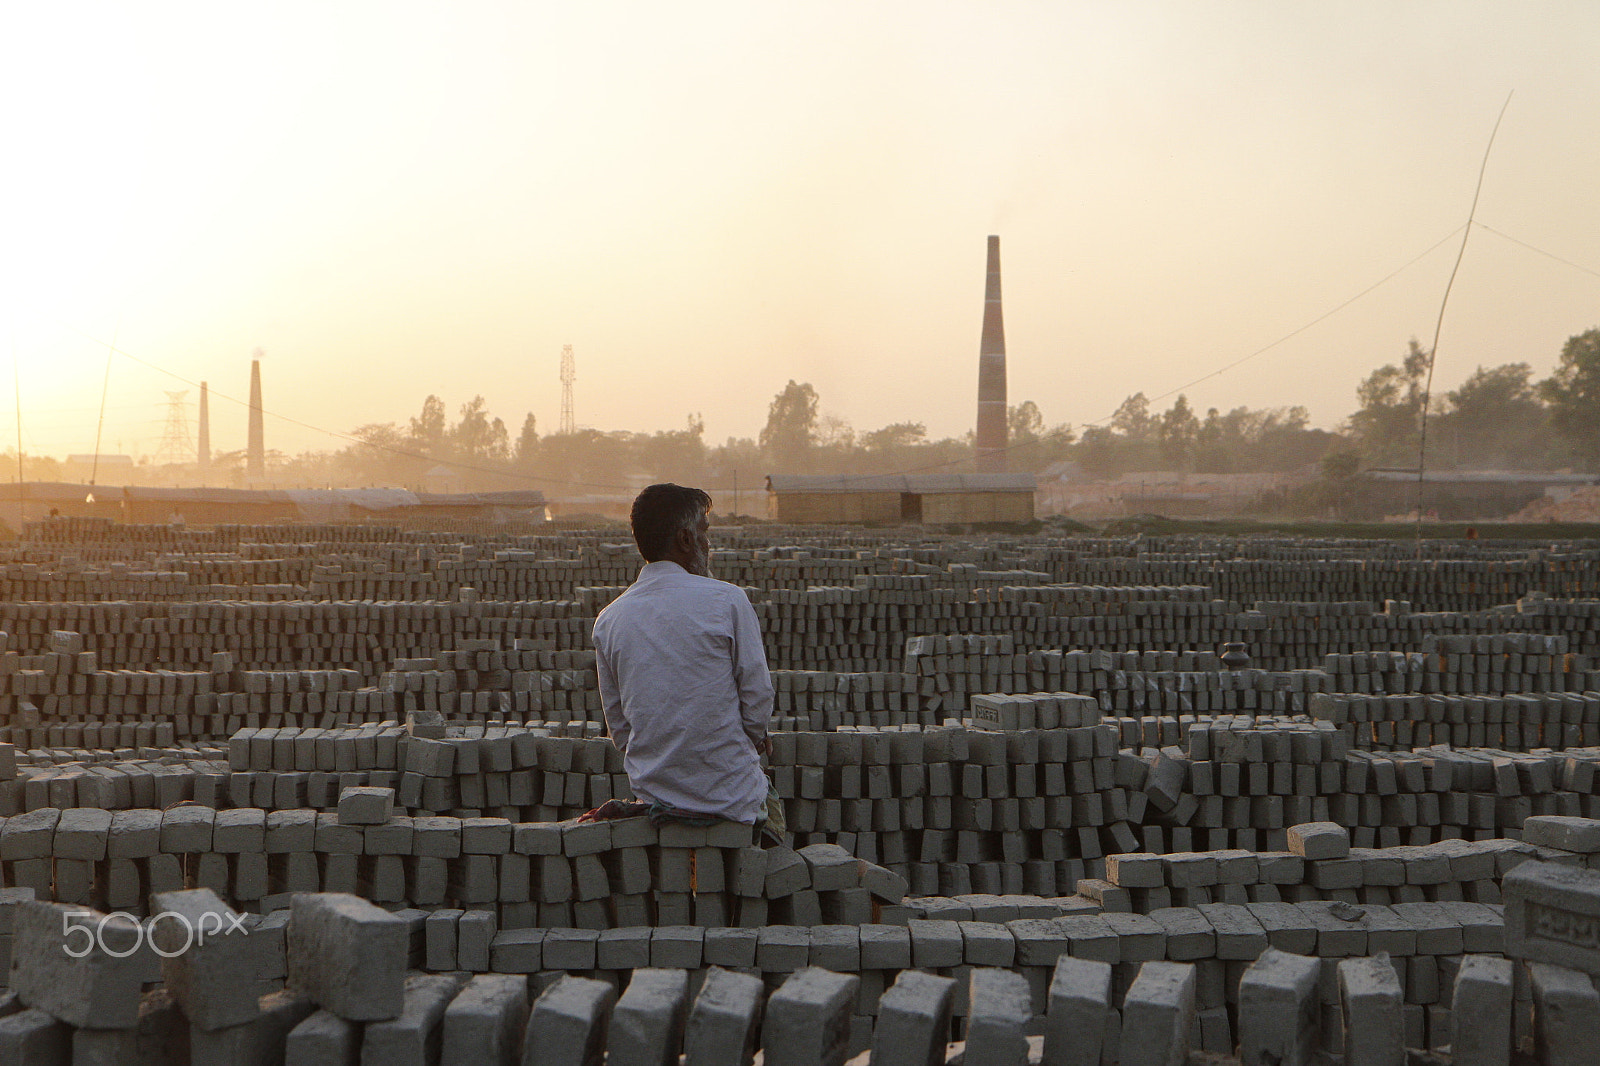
x,y
660,511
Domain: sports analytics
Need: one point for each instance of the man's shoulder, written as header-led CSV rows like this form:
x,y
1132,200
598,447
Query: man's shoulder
x,y
697,584
611,611
716,585
724,592
681,585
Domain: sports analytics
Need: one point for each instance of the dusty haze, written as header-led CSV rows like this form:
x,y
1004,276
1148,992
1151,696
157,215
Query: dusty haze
x,y
707,200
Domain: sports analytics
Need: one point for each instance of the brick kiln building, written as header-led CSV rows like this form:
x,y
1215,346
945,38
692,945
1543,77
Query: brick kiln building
x,y
34,500
892,499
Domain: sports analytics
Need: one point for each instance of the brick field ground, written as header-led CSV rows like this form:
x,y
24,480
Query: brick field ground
x,y
1032,809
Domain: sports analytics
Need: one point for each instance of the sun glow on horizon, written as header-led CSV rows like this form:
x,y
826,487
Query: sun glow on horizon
x,y
706,201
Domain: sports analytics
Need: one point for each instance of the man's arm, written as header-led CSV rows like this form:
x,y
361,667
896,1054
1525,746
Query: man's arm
x,y
611,700
750,673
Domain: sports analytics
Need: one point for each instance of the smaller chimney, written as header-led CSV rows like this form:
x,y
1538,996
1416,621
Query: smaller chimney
x,y
256,457
203,445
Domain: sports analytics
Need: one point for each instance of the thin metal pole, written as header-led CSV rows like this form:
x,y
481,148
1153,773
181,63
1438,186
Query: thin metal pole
x,y
105,387
22,488
1438,326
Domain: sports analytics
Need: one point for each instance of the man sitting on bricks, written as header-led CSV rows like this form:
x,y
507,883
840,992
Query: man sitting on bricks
x,y
683,677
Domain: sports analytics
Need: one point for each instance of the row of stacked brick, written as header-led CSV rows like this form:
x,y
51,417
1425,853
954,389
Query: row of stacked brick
x,y
289,637
1448,576
940,798
514,769
569,874
1348,570
941,671
208,1010
1515,721
536,678
952,666
859,627
1227,780
927,545
569,567
1320,864
998,809
543,771
862,628
87,535
533,573
537,568
874,792
1521,723
1222,781
1277,982
479,682
987,649
109,779
257,631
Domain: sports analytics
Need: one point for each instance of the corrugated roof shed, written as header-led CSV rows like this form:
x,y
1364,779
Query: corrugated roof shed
x,y
1510,477
304,499
919,484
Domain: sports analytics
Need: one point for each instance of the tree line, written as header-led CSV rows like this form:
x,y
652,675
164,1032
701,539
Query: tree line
x,y
1499,418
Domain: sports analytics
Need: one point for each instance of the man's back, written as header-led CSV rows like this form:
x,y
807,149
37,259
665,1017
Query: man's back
x,y
687,695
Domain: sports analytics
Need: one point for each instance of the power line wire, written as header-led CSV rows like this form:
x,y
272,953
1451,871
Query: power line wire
x,y
1295,333
1541,251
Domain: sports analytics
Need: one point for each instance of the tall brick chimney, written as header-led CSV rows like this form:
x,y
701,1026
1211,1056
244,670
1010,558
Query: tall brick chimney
x,y
991,436
256,456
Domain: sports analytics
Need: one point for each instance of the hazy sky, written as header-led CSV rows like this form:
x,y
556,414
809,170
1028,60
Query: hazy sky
x,y
706,200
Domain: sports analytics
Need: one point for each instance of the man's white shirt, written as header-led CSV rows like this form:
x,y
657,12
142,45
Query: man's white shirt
x,y
686,692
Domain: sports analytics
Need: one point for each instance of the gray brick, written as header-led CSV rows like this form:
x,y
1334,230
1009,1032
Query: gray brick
x,y
1078,1010
1157,1014
647,1023
323,1039
999,1010
1279,1011
1480,1016
348,955
724,1023
808,1019
1374,1027
483,1025
568,1024
95,990
208,963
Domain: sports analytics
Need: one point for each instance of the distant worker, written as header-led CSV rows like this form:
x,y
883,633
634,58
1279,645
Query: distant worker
x,y
683,677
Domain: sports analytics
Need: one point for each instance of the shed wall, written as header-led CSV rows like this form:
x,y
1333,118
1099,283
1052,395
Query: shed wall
x,y
806,507
948,508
